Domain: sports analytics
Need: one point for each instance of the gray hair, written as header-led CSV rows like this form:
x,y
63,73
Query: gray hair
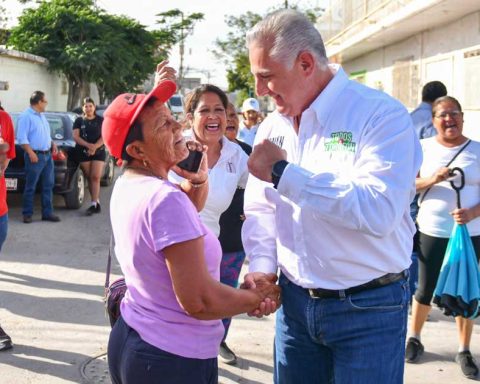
x,y
289,32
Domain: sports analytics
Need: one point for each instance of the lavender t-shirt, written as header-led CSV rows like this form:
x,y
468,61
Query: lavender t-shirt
x,y
148,215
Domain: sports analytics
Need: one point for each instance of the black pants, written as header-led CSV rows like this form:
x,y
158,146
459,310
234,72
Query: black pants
x,y
430,259
133,361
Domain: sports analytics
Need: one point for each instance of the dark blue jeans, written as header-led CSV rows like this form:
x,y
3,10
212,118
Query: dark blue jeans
x,y
357,340
3,229
42,172
133,361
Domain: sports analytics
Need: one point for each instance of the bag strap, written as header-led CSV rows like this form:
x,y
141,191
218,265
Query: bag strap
x,y
422,197
109,262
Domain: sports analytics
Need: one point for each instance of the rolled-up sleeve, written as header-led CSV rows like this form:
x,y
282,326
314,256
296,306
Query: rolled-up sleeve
x,y
23,129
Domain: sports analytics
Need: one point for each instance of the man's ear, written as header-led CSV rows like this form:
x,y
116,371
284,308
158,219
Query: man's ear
x,y
135,150
306,61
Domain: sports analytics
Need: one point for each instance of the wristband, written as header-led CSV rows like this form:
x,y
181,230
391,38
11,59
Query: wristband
x,y
198,185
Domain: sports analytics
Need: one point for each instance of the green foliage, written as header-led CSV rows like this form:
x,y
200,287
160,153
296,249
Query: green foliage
x,y
3,24
234,53
87,45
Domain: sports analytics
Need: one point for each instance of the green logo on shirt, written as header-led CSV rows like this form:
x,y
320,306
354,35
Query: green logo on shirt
x,y
340,142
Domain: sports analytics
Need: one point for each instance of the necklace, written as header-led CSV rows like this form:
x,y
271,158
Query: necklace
x,y
143,171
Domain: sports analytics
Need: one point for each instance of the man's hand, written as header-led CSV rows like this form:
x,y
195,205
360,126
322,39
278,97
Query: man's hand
x,y
33,157
54,148
271,303
264,155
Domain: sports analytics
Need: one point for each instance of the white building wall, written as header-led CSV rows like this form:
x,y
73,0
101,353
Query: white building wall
x,y
436,54
25,76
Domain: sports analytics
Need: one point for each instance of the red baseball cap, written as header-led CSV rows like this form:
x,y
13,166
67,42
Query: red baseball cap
x,y
122,112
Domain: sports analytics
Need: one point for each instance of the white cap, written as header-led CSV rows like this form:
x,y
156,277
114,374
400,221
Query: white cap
x,y
250,105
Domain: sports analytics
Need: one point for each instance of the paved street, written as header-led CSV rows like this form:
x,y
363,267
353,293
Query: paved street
x,y
51,287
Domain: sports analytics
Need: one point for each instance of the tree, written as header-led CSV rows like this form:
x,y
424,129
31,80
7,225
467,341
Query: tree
x,y
3,23
234,54
87,45
132,55
178,26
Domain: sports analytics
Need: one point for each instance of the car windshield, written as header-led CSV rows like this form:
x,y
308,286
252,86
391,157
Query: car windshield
x,y
175,101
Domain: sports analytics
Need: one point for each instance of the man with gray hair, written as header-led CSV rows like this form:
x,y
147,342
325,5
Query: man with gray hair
x,y
333,173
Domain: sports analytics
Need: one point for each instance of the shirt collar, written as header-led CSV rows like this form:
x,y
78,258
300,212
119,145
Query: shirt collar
x,y
324,104
33,111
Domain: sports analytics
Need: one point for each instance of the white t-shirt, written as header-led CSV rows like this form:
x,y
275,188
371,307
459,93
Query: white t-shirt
x,y
230,172
434,218
247,135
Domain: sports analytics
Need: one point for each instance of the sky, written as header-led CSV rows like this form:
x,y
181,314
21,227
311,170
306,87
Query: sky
x,y
198,47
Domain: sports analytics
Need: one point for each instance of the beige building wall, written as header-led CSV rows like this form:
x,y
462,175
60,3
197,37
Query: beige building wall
x,y
449,53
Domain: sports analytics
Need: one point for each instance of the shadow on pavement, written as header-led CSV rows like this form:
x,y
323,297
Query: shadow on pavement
x,y
61,364
36,282
69,310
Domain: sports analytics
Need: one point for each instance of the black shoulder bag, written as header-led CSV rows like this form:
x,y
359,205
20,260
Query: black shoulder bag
x,y
422,197
113,292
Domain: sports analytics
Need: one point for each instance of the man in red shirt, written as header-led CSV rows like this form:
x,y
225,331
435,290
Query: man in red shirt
x,y
7,152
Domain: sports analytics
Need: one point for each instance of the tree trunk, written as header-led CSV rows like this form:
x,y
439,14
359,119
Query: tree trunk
x,y
101,93
74,93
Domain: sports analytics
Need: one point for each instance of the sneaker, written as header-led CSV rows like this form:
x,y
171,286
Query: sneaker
x,y
91,210
227,355
5,341
414,350
27,219
97,208
53,218
467,363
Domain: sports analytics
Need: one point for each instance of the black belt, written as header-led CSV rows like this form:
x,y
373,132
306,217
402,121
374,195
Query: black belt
x,y
389,278
42,152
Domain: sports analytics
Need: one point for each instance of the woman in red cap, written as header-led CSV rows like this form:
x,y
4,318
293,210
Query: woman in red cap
x,y
170,329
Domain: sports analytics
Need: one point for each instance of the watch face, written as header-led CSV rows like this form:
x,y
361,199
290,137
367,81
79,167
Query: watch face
x,y
279,167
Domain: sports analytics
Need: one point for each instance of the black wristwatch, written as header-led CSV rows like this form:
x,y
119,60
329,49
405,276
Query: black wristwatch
x,y
277,171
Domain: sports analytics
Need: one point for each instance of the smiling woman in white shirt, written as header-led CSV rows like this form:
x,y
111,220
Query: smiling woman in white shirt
x,y
205,109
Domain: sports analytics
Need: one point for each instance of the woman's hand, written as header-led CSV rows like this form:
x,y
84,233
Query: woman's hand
x,y
164,72
440,175
463,215
272,301
201,176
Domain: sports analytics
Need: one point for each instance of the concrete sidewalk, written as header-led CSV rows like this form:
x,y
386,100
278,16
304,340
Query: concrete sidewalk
x,y
51,287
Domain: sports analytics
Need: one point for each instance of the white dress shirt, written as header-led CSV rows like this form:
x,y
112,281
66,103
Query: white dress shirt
x,y
341,214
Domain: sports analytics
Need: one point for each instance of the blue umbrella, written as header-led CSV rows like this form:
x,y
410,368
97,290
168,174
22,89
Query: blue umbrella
x,y
458,287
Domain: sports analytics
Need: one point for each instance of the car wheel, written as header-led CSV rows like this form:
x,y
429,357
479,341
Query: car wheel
x,y
74,198
109,173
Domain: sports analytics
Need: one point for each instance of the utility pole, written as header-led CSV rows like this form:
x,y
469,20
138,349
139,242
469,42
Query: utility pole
x,y
182,50
286,4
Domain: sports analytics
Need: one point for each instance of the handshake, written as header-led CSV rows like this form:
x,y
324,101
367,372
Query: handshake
x,y
264,286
